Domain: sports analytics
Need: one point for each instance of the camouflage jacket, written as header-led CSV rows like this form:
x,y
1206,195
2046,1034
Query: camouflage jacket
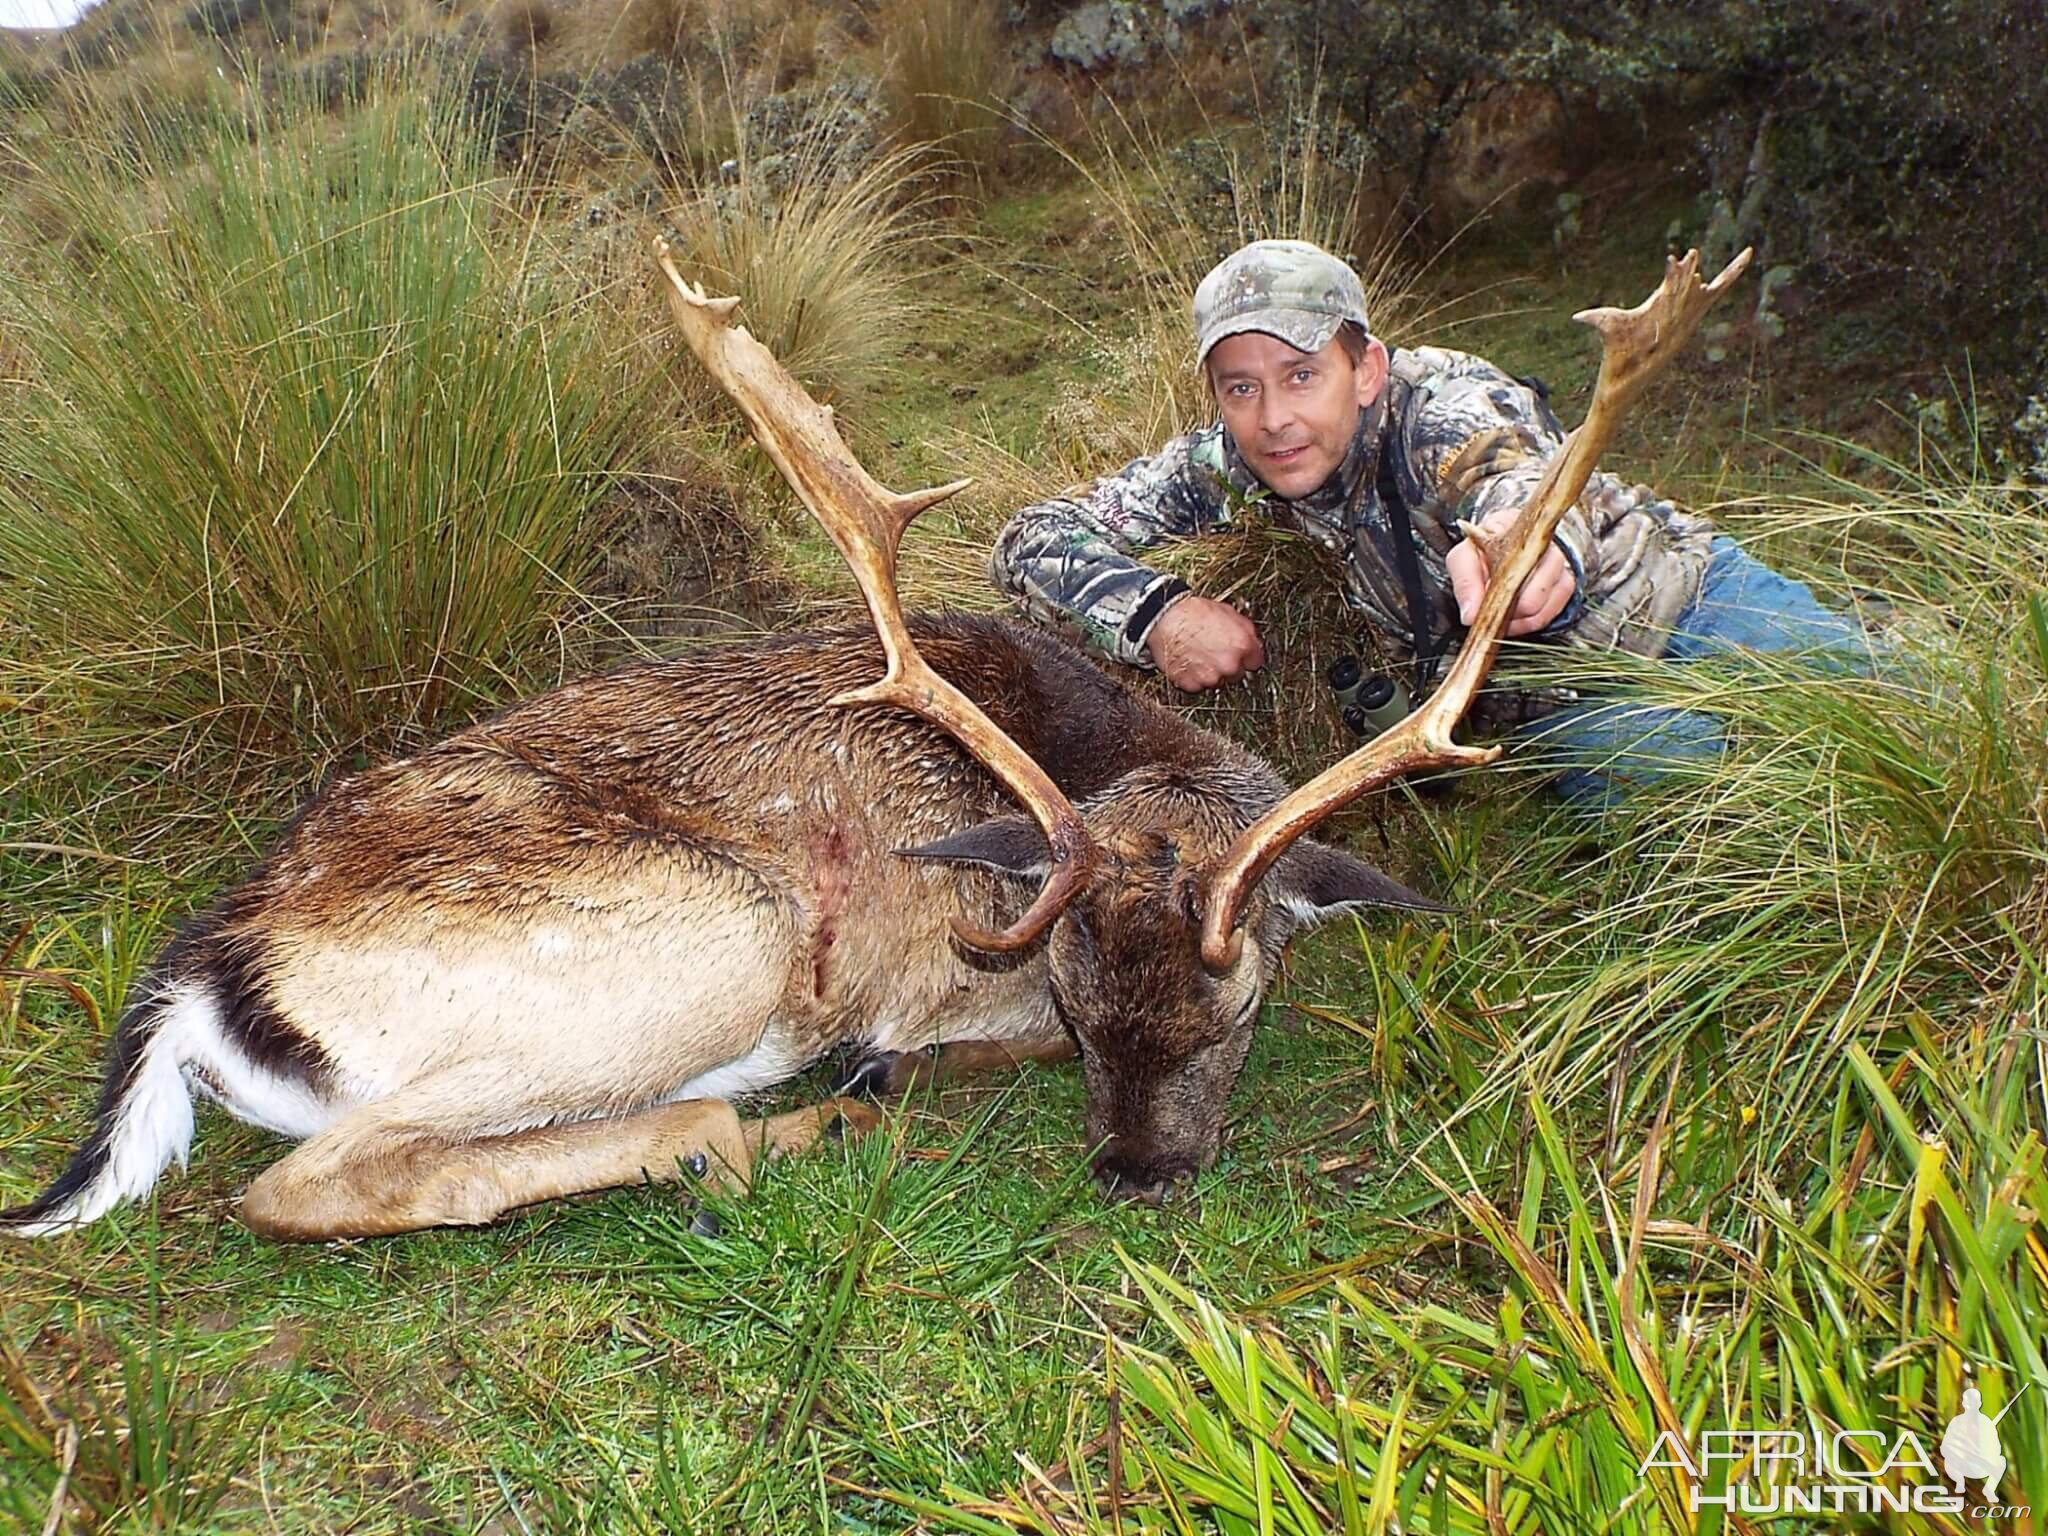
x,y
1452,435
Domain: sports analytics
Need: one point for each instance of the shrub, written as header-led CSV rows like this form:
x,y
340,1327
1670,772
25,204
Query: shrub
x,y
304,457
1885,146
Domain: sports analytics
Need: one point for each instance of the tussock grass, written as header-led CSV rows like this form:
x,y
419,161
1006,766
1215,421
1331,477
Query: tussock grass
x,y
771,45
826,256
947,72
304,456
818,249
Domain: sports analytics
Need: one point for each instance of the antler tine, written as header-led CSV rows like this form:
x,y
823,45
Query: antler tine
x,y
1636,344
866,522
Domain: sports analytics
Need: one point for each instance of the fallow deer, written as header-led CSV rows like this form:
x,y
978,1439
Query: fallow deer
x,y
536,958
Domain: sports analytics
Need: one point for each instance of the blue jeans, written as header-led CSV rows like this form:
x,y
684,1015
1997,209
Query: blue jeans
x,y
1608,749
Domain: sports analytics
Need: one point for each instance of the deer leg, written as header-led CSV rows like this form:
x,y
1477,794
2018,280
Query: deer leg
x,y
367,1177
889,1074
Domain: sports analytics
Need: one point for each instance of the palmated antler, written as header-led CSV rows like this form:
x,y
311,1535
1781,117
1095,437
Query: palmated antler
x,y
867,523
1636,344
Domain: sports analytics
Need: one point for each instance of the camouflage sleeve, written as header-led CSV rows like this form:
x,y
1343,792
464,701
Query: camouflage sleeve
x,y
1481,442
1067,561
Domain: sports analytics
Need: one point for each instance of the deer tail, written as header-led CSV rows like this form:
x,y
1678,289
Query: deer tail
x,y
144,1118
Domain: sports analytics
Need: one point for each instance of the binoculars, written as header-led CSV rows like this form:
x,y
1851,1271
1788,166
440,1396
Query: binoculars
x,y
1368,702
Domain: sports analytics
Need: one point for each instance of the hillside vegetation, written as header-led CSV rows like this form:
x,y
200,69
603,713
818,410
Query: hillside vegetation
x,y
338,406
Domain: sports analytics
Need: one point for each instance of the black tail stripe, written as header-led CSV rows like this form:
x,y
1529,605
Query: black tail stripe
x,y
215,952
205,952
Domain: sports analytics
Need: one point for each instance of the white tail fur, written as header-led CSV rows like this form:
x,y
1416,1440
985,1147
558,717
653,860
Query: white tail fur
x,y
144,1123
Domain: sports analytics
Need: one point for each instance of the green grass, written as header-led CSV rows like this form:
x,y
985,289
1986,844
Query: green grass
x,y
931,1296
1745,1083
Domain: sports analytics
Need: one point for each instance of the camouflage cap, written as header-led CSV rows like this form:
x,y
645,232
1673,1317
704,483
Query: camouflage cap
x,y
1285,288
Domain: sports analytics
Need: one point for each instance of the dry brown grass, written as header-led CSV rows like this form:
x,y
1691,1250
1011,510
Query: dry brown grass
x,y
751,46
526,25
352,24
822,254
819,251
947,73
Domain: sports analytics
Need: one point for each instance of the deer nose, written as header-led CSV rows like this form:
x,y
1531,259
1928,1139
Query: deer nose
x,y
1128,1179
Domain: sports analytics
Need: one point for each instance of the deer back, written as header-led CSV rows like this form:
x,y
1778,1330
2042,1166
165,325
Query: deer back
x,y
734,761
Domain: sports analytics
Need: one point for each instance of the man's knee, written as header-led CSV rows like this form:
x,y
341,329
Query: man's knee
x,y
1612,751
1744,604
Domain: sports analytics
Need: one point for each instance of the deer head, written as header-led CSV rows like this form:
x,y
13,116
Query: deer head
x,y
1162,1038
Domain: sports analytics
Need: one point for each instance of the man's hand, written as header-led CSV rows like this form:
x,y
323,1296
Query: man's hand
x,y
1199,643
1543,595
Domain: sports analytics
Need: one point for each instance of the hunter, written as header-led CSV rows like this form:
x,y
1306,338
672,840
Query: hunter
x,y
1377,457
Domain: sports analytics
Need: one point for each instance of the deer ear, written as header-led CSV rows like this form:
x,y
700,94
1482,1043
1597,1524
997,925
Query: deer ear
x,y
1004,845
1314,884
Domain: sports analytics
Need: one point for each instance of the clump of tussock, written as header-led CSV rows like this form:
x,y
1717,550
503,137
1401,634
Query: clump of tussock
x,y
307,458
758,45
823,252
819,250
1861,860
946,74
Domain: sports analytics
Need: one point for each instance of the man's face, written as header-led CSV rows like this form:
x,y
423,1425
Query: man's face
x,y
1291,413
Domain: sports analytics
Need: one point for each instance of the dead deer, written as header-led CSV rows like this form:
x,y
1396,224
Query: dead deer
x,y
536,958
